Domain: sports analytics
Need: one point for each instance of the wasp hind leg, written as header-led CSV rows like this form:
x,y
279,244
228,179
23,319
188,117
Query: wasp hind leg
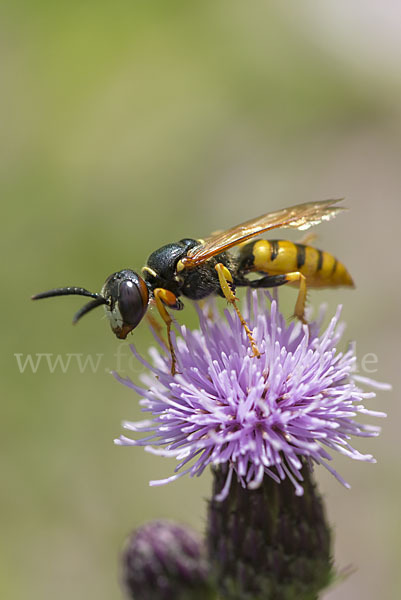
x,y
226,282
276,280
308,239
299,311
162,298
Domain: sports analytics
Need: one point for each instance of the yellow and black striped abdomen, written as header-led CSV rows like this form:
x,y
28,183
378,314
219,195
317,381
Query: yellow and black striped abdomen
x,y
275,257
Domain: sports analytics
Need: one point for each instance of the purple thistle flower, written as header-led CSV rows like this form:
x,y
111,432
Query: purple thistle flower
x,y
257,416
164,560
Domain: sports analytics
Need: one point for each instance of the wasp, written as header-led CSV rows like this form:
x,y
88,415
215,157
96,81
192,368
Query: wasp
x,y
196,269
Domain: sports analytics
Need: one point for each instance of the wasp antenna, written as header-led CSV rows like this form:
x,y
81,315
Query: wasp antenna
x,y
66,291
88,307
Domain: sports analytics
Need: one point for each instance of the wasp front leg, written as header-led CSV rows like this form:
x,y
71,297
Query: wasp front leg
x,y
226,284
165,298
157,329
295,277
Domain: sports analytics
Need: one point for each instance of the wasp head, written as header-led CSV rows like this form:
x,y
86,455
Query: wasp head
x,y
124,295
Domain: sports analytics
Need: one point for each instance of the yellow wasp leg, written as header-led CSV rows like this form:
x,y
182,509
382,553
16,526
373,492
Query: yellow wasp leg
x,y
297,277
163,297
308,239
225,279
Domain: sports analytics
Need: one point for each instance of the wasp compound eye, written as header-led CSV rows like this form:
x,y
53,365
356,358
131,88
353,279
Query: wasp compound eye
x,y
127,298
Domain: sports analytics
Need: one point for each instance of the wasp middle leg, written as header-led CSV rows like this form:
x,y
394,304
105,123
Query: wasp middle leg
x,y
226,284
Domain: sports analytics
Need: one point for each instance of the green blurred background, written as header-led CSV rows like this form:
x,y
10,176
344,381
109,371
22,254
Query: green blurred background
x,y
127,125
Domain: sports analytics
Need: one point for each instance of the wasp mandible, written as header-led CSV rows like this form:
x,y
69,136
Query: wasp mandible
x,y
196,269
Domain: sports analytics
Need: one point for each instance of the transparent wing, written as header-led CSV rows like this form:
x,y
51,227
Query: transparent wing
x,y
300,216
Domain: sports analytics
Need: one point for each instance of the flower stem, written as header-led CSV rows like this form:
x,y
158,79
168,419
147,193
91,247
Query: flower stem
x,y
269,543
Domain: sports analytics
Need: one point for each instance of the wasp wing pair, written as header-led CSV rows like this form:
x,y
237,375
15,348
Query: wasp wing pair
x,y
300,216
